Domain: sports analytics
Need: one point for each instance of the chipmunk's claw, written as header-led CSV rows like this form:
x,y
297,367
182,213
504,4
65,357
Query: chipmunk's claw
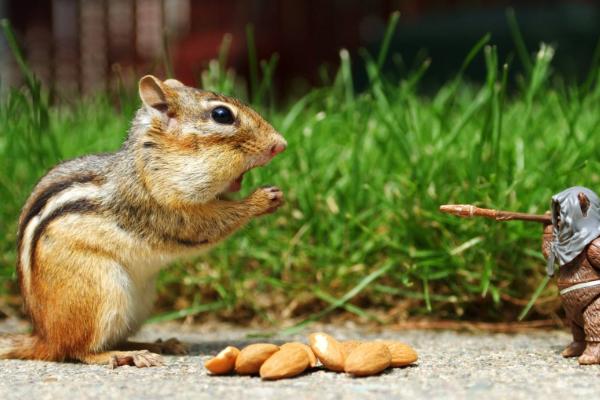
x,y
269,199
275,195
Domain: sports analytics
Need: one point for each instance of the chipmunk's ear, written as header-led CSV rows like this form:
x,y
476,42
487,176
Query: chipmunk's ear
x,y
174,83
584,203
152,93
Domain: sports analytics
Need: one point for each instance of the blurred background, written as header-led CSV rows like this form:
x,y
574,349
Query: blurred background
x,y
81,45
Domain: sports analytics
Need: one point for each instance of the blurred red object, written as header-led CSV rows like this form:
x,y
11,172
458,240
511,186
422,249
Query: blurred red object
x,y
79,44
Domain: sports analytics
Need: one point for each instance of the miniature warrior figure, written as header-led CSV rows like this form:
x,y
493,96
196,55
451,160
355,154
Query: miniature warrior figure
x,y
573,240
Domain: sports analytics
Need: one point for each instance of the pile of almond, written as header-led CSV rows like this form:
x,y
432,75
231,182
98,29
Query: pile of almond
x,y
290,359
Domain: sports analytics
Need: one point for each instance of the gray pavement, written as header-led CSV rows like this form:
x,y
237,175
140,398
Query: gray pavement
x,y
451,366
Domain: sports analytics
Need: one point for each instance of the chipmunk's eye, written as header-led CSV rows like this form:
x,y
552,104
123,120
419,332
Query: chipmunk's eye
x,y
222,115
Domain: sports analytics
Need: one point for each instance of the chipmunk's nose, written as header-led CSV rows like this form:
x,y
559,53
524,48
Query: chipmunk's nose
x,y
278,148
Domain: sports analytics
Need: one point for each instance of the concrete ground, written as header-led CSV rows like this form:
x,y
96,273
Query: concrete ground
x,y
451,366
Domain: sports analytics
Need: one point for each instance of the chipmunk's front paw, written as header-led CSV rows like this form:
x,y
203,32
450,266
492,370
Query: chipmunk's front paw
x,y
266,199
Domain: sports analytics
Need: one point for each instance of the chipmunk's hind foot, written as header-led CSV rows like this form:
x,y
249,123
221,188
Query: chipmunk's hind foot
x,y
138,358
591,355
574,349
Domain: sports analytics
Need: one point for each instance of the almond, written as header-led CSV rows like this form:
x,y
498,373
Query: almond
x,y
312,359
328,350
349,345
224,362
253,356
368,359
402,354
287,362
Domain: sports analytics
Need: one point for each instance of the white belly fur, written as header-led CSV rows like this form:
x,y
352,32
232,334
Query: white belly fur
x,y
125,308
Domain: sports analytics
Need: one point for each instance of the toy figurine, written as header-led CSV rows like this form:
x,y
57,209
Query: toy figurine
x,y
572,238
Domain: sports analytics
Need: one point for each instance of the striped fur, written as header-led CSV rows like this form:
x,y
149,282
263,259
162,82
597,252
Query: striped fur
x,y
96,230
49,204
40,201
80,206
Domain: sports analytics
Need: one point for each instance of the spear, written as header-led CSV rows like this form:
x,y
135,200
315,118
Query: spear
x,y
468,211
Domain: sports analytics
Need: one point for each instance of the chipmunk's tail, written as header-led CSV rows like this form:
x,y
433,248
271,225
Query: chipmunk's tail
x,y
21,347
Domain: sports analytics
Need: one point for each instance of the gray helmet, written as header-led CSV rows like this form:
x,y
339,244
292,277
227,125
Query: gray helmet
x,y
576,223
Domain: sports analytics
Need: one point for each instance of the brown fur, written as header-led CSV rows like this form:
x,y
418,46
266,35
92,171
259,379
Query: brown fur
x,y
582,307
96,230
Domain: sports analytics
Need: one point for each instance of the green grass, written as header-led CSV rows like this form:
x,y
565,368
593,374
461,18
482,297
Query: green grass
x,y
364,175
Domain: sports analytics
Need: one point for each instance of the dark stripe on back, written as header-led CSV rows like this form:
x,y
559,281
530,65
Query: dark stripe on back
x,y
75,207
42,199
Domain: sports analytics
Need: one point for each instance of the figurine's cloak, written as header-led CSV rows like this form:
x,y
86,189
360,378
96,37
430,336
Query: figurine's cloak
x,y
576,229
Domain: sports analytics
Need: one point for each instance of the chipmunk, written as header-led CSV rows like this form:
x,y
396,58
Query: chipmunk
x,y
97,229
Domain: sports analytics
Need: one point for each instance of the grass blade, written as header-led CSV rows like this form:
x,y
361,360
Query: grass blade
x,y
194,310
387,38
252,62
518,40
348,307
346,73
534,298
366,281
16,51
594,71
167,60
224,50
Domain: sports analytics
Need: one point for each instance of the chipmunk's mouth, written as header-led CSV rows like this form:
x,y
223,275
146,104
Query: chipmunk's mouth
x,y
236,184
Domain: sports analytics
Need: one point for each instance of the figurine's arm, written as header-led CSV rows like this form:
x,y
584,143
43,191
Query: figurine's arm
x,y
547,239
593,253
